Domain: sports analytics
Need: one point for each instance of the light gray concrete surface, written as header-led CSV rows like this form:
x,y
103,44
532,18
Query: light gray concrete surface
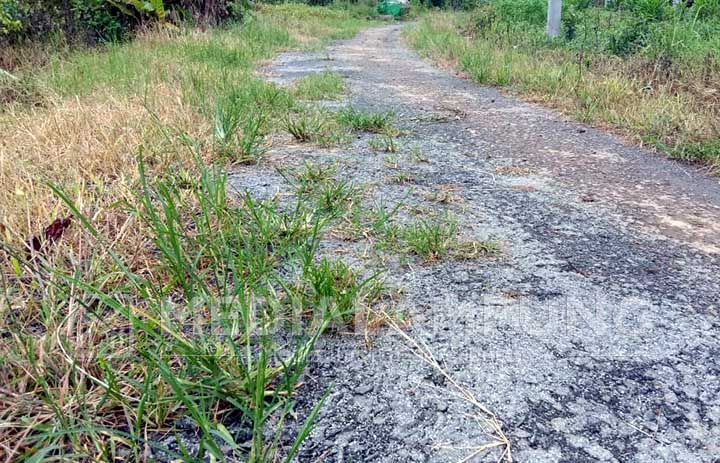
x,y
594,338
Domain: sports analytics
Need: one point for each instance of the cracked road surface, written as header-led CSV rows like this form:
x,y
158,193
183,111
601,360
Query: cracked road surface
x,y
594,338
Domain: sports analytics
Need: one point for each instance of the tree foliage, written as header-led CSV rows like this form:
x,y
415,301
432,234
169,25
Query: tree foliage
x,y
93,21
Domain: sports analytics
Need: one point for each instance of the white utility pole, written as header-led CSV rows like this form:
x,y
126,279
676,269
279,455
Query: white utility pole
x,y
553,18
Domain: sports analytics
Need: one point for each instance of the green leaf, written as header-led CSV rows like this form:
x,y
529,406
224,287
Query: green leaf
x,y
222,432
307,427
16,266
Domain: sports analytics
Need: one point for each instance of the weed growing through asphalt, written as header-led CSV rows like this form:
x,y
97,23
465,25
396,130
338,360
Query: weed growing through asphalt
x,y
336,290
402,178
316,183
307,179
432,239
417,155
374,122
429,239
321,86
473,249
335,196
316,126
384,143
369,221
304,127
444,194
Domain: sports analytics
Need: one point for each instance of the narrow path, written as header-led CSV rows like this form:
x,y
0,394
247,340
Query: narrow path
x,y
595,337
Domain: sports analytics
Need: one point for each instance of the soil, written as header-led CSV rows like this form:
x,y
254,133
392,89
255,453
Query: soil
x,y
594,337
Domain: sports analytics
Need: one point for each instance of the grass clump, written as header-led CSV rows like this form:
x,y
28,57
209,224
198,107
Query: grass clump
x,y
315,126
321,86
429,239
384,143
304,127
336,290
316,183
432,240
373,122
402,178
239,137
335,196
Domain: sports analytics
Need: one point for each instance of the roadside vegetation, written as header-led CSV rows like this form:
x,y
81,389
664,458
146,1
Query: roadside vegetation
x,y
642,67
139,301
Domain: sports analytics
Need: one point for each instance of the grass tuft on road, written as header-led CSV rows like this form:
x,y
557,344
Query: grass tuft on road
x,y
374,122
321,86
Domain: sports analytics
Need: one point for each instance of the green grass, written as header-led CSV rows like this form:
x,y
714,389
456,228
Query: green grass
x,y
429,239
238,134
321,86
213,347
317,184
304,127
307,179
374,122
435,239
384,143
137,66
402,178
651,79
315,125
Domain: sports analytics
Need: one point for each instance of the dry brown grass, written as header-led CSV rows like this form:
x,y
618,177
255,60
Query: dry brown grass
x,y
88,146
493,428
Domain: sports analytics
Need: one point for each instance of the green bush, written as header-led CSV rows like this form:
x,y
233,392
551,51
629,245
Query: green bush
x,y
92,21
9,17
528,11
627,37
707,8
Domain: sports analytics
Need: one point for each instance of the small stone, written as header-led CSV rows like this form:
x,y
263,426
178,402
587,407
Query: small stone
x,y
364,389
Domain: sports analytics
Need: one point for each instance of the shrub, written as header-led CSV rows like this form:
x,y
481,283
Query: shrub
x,y
92,21
707,8
629,36
528,11
9,13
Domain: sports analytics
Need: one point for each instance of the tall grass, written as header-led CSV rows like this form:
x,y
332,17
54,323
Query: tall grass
x,y
654,79
165,301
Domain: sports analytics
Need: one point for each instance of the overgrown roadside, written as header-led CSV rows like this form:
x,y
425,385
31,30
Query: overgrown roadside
x,y
143,307
646,70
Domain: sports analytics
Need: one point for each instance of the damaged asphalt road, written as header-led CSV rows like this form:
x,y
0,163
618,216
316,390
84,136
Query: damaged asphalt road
x,y
595,337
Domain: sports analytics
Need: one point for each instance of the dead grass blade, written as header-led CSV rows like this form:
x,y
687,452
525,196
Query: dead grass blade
x,y
484,414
